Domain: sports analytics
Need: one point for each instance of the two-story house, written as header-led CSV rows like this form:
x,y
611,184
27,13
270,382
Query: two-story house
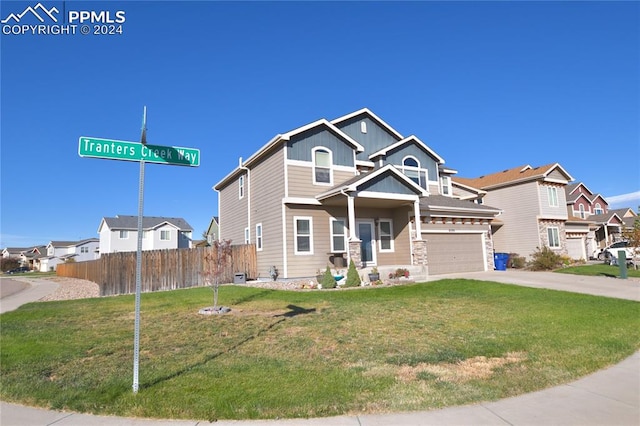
x,y
61,251
352,188
533,203
120,233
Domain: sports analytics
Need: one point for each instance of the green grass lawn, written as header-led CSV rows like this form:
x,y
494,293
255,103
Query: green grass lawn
x,y
309,354
599,270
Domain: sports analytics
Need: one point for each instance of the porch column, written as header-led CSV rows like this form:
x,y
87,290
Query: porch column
x,y
351,207
418,220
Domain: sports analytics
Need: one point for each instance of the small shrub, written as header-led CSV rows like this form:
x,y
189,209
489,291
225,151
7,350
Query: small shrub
x,y
516,261
353,279
545,259
328,281
400,272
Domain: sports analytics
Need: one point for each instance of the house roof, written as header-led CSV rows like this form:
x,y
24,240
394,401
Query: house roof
x,y
605,218
406,141
73,243
148,222
570,188
353,183
441,202
371,115
624,212
515,175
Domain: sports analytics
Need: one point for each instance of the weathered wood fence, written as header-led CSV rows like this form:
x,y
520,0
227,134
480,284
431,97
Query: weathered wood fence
x,y
115,273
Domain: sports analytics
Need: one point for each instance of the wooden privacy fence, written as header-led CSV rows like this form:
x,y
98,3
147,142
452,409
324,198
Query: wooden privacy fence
x,y
115,273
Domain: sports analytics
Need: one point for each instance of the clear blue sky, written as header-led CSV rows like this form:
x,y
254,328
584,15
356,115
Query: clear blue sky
x,y
487,85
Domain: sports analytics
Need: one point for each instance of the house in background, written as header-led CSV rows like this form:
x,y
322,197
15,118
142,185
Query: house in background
x,y
27,256
120,233
61,251
534,207
213,232
352,188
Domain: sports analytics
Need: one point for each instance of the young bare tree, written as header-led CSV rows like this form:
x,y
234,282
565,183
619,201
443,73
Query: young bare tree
x,y
216,260
632,235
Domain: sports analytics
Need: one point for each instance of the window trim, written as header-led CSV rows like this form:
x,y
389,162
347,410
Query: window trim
x,y
332,235
247,236
296,235
597,209
391,239
550,235
123,234
313,161
168,233
552,194
259,236
241,182
445,182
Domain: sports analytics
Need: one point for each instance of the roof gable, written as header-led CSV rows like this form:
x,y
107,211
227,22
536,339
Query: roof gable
x,y
407,141
521,174
366,112
148,222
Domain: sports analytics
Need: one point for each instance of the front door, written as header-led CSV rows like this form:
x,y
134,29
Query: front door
x,y
367,242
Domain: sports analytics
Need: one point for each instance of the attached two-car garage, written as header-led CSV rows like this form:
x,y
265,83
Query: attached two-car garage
x,y
454,252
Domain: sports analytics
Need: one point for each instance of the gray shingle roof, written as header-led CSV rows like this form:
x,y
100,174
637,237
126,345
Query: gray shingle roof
x,y
148,222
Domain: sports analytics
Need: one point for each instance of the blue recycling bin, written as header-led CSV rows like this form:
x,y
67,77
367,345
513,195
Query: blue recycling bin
x,y
501,260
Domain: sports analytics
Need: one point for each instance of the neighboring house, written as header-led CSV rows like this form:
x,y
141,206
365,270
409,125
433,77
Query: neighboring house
x,y
61,251
352,188
120,233
25,255
14,251
213,232
534,208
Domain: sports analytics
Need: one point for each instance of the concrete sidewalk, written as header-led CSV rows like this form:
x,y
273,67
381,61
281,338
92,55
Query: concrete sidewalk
x,y
607,397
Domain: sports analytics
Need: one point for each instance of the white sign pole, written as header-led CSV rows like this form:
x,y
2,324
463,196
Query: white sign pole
x,y
136,337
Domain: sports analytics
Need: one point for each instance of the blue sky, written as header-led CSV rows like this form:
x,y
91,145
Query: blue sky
x,y
487,85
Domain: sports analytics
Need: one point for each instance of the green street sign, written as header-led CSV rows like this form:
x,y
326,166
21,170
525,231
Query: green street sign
x,y
135,151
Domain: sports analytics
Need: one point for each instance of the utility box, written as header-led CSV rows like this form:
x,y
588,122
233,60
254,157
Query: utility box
x,y
240,278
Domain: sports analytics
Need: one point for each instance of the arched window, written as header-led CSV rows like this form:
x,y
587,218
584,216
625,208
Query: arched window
x,y
581,208
598,209
322,166
411,169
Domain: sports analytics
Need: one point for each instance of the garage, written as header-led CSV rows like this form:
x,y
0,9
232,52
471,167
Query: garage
x,y
455,252
576,248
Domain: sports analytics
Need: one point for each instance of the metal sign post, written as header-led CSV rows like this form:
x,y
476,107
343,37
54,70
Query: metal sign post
x,y
138,151
136,332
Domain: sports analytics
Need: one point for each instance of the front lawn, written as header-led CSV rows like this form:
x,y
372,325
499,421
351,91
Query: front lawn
x,y
309,354
599,270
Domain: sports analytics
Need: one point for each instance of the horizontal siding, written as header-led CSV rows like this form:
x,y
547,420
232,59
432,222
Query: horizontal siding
x,y
521,208
300,181
233,213
373,140
266,207
300,146
547,211
426,161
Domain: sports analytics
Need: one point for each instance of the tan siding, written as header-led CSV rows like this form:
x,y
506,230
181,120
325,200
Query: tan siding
x,y
267,191
300,179
557,175
547,211
233,213
453,252
519,234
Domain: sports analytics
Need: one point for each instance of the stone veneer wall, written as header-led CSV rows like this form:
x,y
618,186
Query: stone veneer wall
x,y
355,254
562,234
488,244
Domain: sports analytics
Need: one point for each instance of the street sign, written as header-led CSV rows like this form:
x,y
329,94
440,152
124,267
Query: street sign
x,y
135,151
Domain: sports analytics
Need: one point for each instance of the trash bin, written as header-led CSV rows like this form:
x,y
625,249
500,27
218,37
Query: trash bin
x,y
240,278
500,260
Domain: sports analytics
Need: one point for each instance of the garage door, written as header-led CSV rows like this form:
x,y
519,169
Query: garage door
x,y
575,248
452,252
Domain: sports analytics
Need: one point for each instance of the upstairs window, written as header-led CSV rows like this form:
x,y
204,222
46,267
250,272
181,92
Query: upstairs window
x,y
552,192
259,237
241,187
322,166
411,169
446,185
165,235
124,235
598,209
581,211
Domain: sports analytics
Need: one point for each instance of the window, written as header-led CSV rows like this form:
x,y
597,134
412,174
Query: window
x,y
411,169
84,249
303,235
321,166
385,231
552,191
247,238
554,237
259,237
124,235
165,235
338,235
241,187
598,209
363,127
581,211
145,234
446,185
